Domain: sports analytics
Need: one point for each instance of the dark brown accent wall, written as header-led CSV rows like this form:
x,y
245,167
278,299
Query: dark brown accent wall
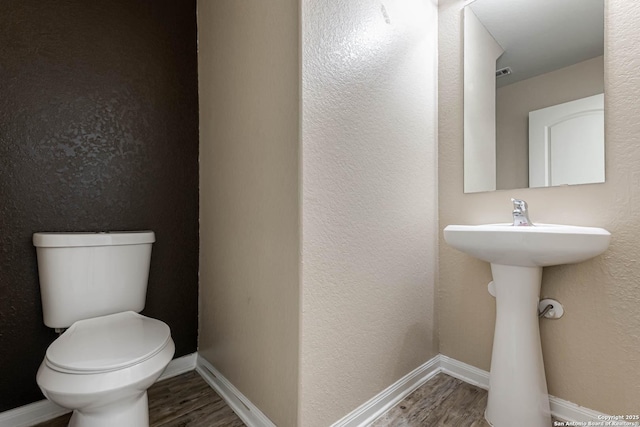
x,y
98,131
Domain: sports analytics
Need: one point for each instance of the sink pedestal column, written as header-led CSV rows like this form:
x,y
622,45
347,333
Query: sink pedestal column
x,y
517,385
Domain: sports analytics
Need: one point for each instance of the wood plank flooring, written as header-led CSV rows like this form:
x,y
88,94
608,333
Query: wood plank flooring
x,y
188,401
441,401
182,401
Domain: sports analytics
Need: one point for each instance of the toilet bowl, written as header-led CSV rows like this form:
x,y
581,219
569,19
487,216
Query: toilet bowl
x,y
95,285
102,367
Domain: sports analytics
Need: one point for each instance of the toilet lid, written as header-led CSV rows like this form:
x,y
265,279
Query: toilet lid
x,y
108,343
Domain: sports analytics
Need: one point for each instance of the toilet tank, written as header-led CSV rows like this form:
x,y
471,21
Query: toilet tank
x,y
85,275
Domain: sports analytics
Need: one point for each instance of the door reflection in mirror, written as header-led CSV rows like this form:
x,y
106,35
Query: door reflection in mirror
x,y
554,50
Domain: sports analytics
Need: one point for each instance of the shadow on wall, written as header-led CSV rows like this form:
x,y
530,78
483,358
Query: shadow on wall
x,y
414,334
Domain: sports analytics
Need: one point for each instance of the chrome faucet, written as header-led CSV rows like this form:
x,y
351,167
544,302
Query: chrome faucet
x,y
520,214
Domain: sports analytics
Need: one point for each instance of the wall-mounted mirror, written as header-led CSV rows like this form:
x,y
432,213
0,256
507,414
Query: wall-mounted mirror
x,y
533,93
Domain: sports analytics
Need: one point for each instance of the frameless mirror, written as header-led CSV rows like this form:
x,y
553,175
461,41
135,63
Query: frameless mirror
x,y
533,93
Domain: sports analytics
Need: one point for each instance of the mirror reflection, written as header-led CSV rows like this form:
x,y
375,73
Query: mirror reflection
x,y
533,93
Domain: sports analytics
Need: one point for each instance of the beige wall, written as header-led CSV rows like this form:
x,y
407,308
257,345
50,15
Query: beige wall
x,y
368,205
249,223
369,200
515,101
592,354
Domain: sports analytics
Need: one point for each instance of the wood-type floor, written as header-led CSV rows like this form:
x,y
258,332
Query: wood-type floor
x,y
441,401
188,401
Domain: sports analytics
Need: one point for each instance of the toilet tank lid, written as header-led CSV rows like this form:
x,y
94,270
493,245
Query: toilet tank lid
x,y
108,238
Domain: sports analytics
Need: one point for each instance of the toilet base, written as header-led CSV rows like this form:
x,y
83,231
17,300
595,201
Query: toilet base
x,y
134,412
109,399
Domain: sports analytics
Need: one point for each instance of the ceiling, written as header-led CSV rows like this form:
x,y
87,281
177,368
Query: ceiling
x,y
539,36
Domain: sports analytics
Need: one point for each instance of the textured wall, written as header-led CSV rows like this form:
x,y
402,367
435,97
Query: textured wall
x,y
515,101
369,200
592,354
98,131
249,121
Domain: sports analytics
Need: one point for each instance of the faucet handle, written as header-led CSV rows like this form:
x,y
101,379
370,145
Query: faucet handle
x,y
520,214
519,206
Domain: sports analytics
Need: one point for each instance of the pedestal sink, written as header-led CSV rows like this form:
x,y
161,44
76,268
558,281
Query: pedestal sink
x,y
517,384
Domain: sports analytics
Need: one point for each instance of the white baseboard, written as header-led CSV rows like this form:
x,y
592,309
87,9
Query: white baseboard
x,y
392,395
366,413
362,416
241,405
179,366
467,373
31,414
44,410
567,411
562,409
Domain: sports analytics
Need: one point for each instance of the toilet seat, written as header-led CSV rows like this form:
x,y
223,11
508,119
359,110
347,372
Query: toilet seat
x,y
107,343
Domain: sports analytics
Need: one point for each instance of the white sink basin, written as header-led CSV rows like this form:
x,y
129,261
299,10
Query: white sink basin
x,y
539,246
517,383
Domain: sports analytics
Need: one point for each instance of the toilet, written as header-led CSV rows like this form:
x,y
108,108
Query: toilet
x,y
94,285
